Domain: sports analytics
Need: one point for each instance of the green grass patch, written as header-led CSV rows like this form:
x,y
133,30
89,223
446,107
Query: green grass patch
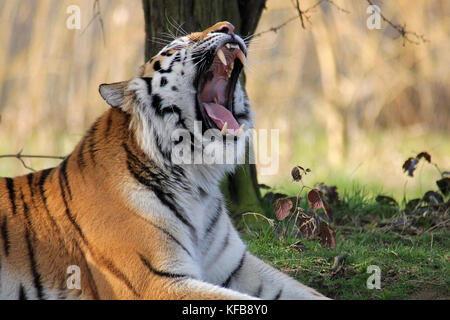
x,y
414,260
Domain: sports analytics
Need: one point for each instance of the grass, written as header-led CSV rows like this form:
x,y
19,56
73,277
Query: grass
x,y
414,262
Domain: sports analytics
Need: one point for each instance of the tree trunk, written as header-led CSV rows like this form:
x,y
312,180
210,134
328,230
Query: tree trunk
x,y
241,188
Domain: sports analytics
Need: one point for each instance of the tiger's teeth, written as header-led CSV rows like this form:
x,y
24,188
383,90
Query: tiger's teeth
x,y
241,130
230,70
221,57
224,129
242,57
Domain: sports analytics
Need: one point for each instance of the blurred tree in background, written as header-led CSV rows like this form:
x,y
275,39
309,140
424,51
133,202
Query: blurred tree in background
x,y
241,188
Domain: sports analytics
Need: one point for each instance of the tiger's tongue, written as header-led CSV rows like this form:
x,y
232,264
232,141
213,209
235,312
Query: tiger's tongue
x,y
214,96
219,114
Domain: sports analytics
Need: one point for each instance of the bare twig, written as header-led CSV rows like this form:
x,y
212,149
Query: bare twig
x,y
407,35
21,156
272,29
337,263
442,223
401,29
300,14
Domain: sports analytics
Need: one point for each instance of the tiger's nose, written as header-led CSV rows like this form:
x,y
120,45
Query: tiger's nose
x,y
226,28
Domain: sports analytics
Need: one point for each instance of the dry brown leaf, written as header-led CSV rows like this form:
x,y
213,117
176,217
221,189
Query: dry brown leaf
x,y
283,208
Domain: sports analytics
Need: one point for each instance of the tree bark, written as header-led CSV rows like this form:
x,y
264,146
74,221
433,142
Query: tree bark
x,y
161,16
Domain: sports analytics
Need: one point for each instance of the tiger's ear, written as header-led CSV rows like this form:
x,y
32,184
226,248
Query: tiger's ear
x,y
113,93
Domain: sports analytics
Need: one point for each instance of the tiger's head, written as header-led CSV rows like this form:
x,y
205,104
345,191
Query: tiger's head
x,y
189,95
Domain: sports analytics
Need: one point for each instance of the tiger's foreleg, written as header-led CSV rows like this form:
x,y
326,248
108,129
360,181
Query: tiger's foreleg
x,y
259,279
192,289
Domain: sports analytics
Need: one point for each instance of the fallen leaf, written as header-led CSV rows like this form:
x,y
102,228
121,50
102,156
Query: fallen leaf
x,y
327,236
308,227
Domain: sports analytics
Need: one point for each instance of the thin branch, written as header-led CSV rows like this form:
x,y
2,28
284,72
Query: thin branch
x,y
273,29
444,223
21,156
401,29
302,14
407,35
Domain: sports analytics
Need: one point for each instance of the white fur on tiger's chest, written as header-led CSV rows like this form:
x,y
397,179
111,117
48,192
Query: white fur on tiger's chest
x,y
210,249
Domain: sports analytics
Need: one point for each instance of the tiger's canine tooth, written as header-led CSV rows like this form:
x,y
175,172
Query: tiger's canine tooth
x,y
224,128
241,130
221,56
242,57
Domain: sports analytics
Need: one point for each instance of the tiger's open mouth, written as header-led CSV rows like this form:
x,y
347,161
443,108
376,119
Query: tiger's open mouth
x,y
216,84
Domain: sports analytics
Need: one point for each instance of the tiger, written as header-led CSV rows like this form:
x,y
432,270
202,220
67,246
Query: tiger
x,y
120,217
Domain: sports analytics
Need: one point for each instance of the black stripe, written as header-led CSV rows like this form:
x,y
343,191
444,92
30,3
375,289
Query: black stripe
x,y
63,172
169,110
5,234
216,217
91,138
278,294
162,197
33,266
108,124
236,270
157,68
165,154
22,294
149,84
134,164
260,289
202,192
156,103
171,237
67,210
224,245
242,116
30,183
41,185
80,159
12,195
178,172
26,212
163,82
167,53
160,273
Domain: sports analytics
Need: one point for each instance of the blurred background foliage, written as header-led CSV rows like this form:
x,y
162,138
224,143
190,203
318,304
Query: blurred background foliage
x,y
350,103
